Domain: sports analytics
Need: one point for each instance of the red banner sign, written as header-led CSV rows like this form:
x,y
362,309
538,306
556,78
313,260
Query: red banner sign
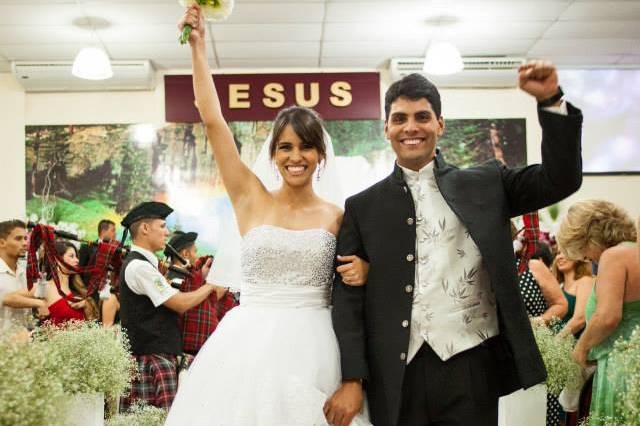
x,y
258,97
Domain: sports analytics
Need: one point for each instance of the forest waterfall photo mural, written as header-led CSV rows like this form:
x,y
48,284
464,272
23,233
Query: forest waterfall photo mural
x,y
79,174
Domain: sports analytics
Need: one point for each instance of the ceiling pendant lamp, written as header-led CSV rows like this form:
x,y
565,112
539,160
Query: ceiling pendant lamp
x,y
442,58
92,63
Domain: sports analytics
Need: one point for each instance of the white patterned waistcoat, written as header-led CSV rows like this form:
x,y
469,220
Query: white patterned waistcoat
x,y
454,308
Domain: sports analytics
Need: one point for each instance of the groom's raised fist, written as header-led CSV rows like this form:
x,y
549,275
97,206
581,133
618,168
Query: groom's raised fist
x,y
539,79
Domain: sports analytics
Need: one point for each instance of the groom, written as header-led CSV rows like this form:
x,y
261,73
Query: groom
x,y
439,331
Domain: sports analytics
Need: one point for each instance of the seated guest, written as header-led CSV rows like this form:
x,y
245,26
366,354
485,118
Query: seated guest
x,y
150,308
200,322
603,232
576,281
15,302
73,304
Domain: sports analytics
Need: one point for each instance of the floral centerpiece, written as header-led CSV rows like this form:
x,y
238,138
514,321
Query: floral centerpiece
x,y
88,357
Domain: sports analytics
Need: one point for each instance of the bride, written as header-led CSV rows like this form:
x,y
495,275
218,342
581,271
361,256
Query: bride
x,y
273,360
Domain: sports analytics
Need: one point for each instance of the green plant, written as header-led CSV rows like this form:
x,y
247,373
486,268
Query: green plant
x,y
554,211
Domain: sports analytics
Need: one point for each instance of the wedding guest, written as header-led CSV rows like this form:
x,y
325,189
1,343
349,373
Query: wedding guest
x,y
73,303
604,233
576,280
15,302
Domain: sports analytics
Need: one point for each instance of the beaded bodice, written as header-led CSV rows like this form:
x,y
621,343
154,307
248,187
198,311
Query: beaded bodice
x,y
287,268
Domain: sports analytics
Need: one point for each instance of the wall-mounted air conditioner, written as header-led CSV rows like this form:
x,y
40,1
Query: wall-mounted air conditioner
x,y
55,76
483,72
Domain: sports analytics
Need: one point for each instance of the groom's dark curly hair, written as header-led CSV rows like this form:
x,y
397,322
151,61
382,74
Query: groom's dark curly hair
x,y
413,87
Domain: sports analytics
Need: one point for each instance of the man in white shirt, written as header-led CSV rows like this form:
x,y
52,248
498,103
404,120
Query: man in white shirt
x,y
150,308
15,302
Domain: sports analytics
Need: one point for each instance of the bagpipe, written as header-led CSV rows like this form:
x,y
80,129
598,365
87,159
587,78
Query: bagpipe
x,y
103,268
189,272
531,239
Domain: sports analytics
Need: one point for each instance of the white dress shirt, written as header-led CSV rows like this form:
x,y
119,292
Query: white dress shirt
x,y
144,278
11,281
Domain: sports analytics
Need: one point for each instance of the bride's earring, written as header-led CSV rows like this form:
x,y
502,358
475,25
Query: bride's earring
x,y
319,171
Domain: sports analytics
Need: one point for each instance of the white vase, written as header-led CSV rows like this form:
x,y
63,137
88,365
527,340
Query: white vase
x,y
85,409
524,407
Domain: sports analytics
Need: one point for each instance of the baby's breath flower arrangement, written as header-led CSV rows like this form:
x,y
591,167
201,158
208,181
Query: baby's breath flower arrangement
x,y
140,415
626,359
27,396
601,421
88,358
212,10
556,353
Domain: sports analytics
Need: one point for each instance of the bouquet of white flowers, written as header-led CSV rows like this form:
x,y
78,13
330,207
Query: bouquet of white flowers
x,y
556,353
213,10
626,358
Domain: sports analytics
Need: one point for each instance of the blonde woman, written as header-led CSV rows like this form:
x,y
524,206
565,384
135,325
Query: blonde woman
x,y
603,232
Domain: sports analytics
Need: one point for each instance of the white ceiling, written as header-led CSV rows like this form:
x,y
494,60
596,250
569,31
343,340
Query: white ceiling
x,y
328,33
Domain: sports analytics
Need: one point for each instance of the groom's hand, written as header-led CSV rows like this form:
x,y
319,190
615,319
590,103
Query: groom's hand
x,y
539,79
344,404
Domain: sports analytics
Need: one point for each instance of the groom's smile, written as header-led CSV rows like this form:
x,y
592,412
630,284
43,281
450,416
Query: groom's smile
x,y
412,141
413,130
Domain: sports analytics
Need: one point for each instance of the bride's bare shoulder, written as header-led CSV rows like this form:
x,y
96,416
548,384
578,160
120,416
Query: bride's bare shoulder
x,y
334,215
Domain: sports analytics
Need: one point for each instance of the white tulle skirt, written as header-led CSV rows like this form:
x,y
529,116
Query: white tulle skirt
x,y
263,366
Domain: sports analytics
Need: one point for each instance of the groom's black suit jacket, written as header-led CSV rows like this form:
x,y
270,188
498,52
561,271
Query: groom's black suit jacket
x,y
379,226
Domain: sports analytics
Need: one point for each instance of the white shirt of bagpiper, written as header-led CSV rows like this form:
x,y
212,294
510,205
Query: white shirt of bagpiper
x,y
144,278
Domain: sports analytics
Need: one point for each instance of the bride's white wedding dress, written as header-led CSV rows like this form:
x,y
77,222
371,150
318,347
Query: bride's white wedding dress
x,y
274,359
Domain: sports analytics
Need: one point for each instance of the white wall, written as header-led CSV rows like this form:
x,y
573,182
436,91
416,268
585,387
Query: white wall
x,y
18,109
12,174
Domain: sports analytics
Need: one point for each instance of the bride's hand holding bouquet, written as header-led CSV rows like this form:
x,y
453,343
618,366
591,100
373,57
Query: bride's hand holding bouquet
x,y
192,24
211,10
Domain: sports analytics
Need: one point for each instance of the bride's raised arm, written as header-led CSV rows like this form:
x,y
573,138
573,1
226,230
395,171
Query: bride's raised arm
x,y
242,185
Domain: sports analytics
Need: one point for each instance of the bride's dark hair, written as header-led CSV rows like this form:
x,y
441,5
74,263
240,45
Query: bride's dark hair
x,y
307,125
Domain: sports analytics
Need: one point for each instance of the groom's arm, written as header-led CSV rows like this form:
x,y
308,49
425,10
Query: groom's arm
x,y
348,303
560,172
